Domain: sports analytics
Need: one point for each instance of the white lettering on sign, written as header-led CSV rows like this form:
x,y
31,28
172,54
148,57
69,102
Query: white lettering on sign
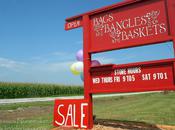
x,y
160,76
136,70
120,72
71,115
58,110
130,28
129,75
155,76
83,115
106,79
146,76
129,78
73,24
96,80
116,78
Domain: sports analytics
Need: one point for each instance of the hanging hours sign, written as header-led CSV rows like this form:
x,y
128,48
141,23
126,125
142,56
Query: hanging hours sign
x,y
133,77
128,26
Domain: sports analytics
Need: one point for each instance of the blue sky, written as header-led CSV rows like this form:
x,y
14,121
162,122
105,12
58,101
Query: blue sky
x,y
34,47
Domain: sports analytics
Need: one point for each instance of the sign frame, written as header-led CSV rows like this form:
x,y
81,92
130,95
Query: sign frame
x,y
84,21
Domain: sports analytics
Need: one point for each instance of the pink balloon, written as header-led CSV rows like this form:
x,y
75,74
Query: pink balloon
x,y
79,55
95,63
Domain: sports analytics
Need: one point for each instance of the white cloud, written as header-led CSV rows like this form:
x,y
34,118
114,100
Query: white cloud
x,y
11,64
104,60
126,58
59,53
46,72
114,60
36,58
53,57
63,55
40,66
79,42
56,66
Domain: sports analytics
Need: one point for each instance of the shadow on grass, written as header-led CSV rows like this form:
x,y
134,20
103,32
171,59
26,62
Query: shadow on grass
x,y
131,125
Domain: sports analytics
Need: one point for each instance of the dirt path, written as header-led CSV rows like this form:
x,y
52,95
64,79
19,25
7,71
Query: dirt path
x,y
101,124
22,100
24,113
134,126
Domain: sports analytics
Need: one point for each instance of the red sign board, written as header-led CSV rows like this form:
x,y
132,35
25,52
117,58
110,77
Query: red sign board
x,y
125,27
127,24
73,113
73,24
138,77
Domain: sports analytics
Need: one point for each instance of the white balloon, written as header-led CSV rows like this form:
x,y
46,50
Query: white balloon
x,y
79,66
72,68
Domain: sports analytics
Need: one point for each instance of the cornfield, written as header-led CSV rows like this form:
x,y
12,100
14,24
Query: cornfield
x,y
27,90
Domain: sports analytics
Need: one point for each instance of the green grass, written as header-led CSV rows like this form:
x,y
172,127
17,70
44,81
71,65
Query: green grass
x,y
27,90
155,108
152,108
41,122
15,106
37,123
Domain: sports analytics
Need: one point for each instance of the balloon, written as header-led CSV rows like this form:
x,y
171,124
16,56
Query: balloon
x,y
95,63
79,66
79,55
73,70
82,76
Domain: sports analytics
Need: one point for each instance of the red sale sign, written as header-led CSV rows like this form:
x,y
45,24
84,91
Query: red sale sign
x,y
71,113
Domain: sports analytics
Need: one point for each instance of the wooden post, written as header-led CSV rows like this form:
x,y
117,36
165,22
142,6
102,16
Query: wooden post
x,y
87,64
